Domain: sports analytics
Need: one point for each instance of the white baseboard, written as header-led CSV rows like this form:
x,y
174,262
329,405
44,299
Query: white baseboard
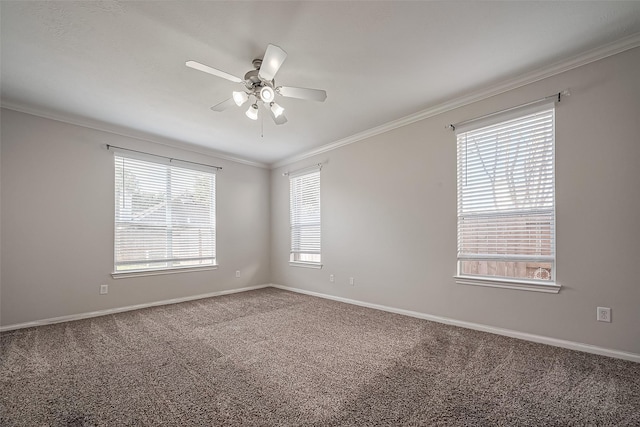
x,y
121,309
572,345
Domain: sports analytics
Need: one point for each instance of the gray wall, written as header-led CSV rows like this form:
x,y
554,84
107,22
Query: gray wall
x,y
389,215
57,184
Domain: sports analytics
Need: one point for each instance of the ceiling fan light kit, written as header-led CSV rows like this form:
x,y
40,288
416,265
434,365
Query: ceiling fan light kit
x,y
260,84
267,94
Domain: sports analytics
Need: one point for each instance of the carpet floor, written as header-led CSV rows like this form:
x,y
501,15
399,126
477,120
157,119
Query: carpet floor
x,y
276,358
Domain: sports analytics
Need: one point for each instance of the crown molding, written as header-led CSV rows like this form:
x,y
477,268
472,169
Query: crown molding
x,y
127,132
570,63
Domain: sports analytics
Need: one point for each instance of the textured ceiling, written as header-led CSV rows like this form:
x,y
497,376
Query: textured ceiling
x,y
122,63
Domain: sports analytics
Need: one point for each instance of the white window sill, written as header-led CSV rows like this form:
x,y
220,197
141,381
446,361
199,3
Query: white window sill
x,y
523,285
305,264
127,274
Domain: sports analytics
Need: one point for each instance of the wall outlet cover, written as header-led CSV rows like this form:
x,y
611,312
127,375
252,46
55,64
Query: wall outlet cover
x,y
604,314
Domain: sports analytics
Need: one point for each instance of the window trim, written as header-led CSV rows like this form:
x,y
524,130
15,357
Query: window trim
x,y
160,272
551,286
506,283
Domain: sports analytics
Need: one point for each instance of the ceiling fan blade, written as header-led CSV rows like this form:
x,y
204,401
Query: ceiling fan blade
x,y
223,105
219,73
271,63
302,93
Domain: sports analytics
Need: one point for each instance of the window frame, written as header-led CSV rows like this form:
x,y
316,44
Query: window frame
x,y
169,165
548,286
293,254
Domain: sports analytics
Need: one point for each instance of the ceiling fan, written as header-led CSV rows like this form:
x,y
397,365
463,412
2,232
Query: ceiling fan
x,y
260,87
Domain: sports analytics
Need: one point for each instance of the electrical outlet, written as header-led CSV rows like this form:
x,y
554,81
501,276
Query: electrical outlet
x,y
604,314
331,278
104,289
351,281
237,273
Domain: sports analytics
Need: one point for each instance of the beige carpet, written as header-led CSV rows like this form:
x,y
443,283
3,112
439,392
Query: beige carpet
x,y
271,357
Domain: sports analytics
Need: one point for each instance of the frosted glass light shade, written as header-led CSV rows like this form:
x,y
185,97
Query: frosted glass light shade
x,y
276,109
252,112
240,98
267,94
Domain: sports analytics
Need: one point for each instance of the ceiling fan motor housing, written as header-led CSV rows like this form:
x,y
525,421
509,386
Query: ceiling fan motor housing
x,y
251,79
255,84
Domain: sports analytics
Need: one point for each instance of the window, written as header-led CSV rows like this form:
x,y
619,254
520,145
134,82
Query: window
x,y
506,200
164,216
304,199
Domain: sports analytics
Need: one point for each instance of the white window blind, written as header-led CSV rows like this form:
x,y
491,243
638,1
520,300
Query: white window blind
x,y
304,198
506,198
164,216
